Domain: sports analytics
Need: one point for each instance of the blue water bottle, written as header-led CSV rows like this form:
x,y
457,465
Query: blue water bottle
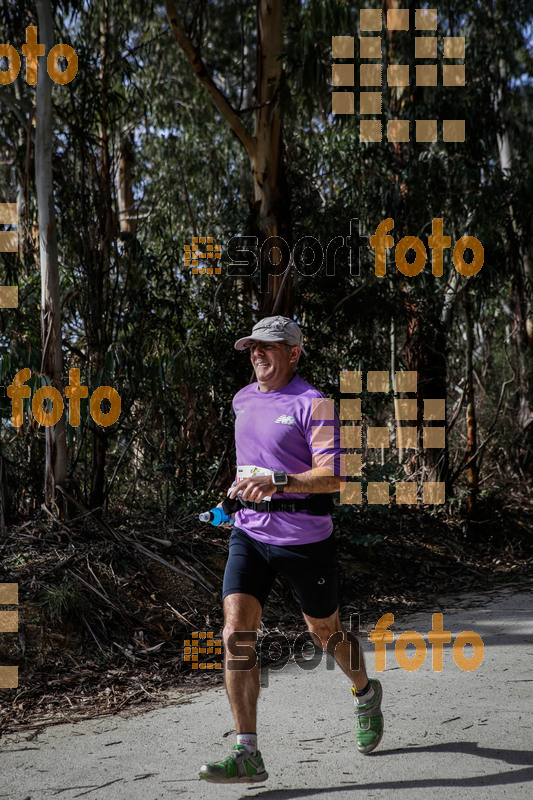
x,y
217,516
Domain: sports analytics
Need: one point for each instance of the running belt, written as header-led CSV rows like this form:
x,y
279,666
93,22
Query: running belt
x,y
315,504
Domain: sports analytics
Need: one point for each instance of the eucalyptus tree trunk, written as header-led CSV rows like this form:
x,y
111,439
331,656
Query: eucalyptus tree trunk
x,y
424,342
98,327
523,291
270,190
126,204
264,147
52,358
472,472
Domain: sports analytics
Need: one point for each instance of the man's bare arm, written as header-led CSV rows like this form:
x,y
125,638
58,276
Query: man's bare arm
x,y
315,481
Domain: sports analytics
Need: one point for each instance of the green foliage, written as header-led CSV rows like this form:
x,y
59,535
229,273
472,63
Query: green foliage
x,y
63,602
135,318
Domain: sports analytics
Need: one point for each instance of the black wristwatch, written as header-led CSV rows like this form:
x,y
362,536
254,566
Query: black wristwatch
x,y
280,480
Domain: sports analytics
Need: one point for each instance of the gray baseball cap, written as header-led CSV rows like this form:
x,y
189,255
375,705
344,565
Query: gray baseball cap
x,y
274,329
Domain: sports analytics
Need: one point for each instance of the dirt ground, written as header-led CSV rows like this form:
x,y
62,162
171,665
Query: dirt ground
x,y
105,608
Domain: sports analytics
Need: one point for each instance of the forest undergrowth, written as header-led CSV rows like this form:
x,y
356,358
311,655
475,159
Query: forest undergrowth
x,y
105,607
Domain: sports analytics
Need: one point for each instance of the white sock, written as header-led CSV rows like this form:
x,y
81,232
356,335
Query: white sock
x,y
249,740
366,697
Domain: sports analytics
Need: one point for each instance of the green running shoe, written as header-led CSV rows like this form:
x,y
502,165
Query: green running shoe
x,y
369,722
240,767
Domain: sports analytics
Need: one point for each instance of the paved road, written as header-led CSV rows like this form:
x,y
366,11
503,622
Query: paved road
x,y
451,734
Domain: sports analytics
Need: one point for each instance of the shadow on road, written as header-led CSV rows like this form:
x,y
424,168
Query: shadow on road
x,y
465,748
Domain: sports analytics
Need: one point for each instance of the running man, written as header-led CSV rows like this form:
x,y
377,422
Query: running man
x,y
276,433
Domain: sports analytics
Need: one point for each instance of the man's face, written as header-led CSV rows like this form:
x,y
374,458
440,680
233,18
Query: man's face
x,y
273,363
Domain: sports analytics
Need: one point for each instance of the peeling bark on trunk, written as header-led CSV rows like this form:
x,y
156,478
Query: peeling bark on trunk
x,y
52,361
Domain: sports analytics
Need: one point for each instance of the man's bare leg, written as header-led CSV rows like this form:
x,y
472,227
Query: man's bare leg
x,y
369,719
242,612
324,628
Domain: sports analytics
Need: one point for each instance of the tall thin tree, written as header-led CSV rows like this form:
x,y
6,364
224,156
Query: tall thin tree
x,y
265,146
52,358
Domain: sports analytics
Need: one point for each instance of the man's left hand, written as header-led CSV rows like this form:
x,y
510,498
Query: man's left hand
x,y
253,489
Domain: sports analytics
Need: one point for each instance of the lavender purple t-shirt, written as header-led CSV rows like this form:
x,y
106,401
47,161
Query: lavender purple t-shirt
x,y
280,430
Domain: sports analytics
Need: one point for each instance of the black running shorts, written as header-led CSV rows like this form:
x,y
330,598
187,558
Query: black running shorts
x,y
311,569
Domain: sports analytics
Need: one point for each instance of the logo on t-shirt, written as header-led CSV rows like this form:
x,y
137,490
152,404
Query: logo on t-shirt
x,y
286,419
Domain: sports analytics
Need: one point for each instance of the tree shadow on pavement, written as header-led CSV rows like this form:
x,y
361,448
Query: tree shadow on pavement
x,y
465,748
